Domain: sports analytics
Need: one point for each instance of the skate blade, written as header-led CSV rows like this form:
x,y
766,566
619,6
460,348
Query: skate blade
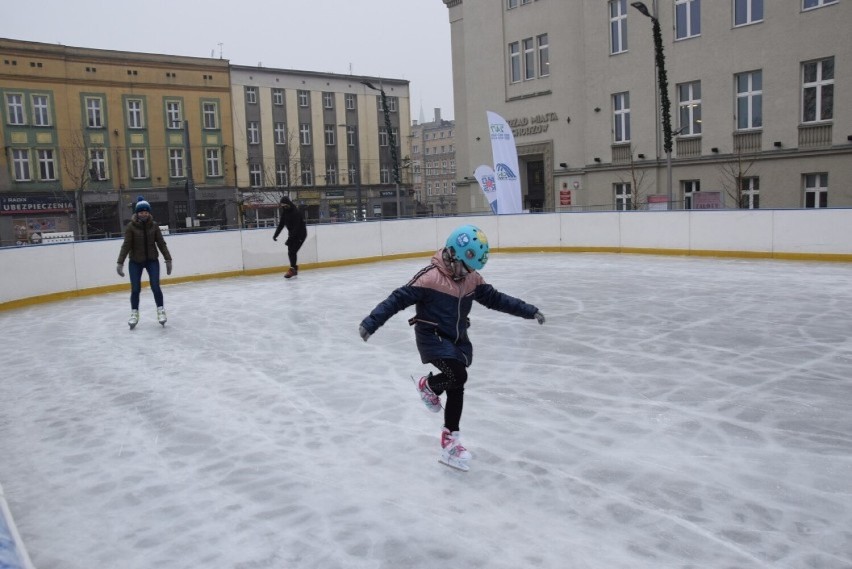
x,y
455,464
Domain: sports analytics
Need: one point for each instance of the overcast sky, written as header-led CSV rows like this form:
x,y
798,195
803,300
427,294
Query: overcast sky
x,y
401,39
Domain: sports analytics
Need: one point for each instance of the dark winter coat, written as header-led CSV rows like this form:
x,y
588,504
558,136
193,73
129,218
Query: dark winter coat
x,y
141,240
292,219
443,305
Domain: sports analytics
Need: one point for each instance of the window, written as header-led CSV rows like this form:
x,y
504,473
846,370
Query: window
x,y
304,98
750,193
251,95
747,12
46,164
282,179
210,112
255,176
329,134
383,136
278,97
689,101
176,163
138,164
350,136
689,189
353,172
174,118
307,174
543,56
529,59
305,134
97,164
384,175
808,4
391,104
818,90
41,110
749,100
94,112
623,196
816,190
687,18
621,117
280,133
15,108
328,100
330,175
514,62
511,4
21,164
214,162
253,132
350,102
617,26
134,114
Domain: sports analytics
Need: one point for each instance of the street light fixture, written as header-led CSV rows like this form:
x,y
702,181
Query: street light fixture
x,y
663,85
391,141
357,162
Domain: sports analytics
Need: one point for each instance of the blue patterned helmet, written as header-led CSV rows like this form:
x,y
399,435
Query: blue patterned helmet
x,y
469,245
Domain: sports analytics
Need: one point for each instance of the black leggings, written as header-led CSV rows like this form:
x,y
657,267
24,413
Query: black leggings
x,y
452,378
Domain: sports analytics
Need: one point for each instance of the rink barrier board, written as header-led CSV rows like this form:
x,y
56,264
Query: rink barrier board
x,y
124,287
56,272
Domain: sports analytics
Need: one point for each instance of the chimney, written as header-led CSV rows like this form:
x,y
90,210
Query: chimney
x,y
437,114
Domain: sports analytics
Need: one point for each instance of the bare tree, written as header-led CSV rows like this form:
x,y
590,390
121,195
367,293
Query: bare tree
x,y
734,175
636,178
75,159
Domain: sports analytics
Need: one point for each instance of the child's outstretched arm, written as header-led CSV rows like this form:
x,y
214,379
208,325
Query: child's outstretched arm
x,y
400,299
488,296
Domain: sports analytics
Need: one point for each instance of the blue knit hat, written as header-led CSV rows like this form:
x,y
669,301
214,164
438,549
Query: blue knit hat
x,y
141,205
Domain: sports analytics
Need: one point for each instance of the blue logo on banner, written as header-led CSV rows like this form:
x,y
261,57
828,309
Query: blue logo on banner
x,y
504,172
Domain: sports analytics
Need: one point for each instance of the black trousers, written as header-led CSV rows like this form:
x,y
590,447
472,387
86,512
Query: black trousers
x,y
452,378
293,246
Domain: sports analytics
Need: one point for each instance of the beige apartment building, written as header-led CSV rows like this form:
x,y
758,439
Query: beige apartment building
x,y
761,113
323,139
433,159
85,131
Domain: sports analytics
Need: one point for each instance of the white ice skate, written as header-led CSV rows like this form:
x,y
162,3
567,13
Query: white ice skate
x,y
161,315
453,453
432,402
134,319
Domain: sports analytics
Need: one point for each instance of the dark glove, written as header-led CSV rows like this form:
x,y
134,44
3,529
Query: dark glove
x,y
168,267
540,317
119,268
275,238
365,335
287,243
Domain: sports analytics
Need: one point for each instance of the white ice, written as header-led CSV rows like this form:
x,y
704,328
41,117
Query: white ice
x,y
673,412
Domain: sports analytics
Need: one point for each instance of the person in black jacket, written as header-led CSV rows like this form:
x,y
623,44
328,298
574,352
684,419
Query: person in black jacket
x,y
297,232
443,294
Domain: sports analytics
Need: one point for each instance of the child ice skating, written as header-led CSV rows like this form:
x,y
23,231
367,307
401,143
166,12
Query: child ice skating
x,y
443,293
142,237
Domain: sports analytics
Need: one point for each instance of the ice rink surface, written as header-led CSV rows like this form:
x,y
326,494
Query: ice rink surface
x,y
673,412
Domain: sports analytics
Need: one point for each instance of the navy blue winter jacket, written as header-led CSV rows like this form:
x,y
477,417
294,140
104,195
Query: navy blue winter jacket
x,y
443,305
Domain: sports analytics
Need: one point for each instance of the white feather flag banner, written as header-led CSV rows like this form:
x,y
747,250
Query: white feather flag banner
x,y
485,176
505,156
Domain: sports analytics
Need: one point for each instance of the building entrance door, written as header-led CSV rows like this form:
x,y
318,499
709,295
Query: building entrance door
x,y
534,200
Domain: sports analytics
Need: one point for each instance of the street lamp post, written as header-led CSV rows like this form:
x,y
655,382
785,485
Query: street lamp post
x,y
663,85
357,162
391,141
